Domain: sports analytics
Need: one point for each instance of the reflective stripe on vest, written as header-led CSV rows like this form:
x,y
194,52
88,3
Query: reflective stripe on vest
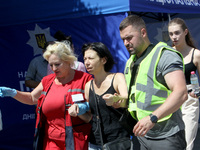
x,y
44,93
149,87
128,75
127,71
76,90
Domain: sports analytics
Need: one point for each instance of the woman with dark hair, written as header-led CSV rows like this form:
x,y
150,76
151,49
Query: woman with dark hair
x,y
182,41
98,62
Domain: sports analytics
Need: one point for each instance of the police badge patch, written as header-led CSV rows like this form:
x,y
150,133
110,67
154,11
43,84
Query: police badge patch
x,y
165,36
41,40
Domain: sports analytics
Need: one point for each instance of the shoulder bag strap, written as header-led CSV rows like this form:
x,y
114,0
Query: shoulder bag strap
x,y
98,116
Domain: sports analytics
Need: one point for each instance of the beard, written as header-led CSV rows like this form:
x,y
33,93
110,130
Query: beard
x,y
130,49
131,52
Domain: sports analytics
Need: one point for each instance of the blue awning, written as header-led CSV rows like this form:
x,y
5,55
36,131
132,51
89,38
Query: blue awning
x,y
23,11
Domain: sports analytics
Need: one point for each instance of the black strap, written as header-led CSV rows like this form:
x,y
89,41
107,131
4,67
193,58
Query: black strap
x,y
192,55
69,138
98,116
135,64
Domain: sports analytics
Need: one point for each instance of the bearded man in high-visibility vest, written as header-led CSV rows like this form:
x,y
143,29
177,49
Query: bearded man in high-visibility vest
x,y
157,88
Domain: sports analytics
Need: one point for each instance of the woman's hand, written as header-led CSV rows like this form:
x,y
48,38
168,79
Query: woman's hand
x,y
5,91
110,99
192,94
78,109
114,100
73,110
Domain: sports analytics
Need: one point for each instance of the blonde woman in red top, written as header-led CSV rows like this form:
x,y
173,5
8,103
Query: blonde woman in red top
x,y
54,96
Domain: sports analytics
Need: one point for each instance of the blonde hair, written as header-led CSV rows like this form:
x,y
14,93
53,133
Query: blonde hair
x,y
62,50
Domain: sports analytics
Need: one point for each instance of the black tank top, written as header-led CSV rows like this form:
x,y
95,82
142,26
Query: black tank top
x,y
188,68
111,129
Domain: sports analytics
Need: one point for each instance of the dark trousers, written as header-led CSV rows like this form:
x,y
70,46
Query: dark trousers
x,y
174,142
136,143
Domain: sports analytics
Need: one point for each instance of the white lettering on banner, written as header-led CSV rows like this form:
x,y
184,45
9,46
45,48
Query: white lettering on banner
x,y
20,75
170,1
23,87
178,2
28,116
25,73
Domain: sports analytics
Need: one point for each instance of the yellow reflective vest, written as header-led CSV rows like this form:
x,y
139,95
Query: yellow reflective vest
x,y
147,92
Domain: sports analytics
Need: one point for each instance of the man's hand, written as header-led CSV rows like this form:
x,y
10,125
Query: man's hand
x,y
143,126
5,91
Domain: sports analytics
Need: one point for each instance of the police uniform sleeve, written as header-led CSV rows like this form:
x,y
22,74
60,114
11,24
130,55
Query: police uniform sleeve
x,y
31,70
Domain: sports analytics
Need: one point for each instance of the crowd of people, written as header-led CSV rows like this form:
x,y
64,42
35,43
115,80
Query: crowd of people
x,y
79,110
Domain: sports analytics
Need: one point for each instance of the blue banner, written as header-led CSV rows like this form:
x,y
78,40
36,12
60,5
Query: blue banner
x,y
22,12
165,6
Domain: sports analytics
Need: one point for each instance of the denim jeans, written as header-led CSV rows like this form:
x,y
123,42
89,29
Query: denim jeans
x,y
94,147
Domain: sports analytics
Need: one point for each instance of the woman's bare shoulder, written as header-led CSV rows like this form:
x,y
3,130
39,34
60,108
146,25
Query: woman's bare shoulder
x,y
119,75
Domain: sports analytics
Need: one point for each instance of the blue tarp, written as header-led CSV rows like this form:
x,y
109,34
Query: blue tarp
x,y
23,11
85,20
